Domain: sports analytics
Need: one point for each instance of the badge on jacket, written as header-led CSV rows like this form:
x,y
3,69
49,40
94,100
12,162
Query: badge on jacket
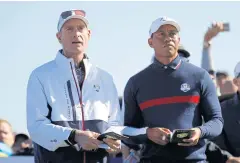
x,y
96,87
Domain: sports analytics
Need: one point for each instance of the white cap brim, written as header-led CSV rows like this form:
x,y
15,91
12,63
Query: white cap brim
x,y
157,24
171,23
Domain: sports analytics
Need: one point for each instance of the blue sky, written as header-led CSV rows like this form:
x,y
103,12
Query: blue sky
x,y
118,43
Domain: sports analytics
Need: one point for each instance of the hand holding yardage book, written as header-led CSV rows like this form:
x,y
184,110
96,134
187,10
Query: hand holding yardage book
x,y
120,133
178,135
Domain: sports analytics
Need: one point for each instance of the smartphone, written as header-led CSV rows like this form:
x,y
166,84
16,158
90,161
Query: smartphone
x,y
226,27
178,135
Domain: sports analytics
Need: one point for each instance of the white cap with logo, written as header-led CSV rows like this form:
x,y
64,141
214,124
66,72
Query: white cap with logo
x,y
70,14
237,70
156,24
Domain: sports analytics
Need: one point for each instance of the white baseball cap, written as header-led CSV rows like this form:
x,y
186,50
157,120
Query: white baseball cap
x,y
70,14
237,70
156,24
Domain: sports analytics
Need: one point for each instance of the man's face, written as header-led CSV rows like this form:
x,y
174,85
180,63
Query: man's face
x,y
165,41
6,134
221,79
74,36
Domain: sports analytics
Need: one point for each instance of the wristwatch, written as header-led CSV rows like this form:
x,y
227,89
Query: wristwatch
x,y
206,44
71,138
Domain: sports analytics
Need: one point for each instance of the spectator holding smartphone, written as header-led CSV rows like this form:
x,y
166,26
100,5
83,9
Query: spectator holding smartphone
x,y
224,82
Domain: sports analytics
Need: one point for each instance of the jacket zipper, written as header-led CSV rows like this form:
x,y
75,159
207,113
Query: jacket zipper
x,y
81,105
79,97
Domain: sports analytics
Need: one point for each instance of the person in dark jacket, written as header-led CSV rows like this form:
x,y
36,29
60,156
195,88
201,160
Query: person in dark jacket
x,y
229,139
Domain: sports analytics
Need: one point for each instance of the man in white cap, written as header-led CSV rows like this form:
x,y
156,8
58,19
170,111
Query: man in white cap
x,y
70,101
171,94
229,139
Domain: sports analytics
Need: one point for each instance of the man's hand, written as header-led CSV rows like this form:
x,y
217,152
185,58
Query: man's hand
x,y
233,160
115,145
193,140
213,31
87,139
159,135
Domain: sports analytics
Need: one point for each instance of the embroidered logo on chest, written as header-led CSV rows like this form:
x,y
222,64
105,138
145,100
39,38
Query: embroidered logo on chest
x,y
185,87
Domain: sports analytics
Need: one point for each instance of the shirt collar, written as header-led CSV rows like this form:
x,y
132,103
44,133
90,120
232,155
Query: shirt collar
x,y
63,62
81,62
173,65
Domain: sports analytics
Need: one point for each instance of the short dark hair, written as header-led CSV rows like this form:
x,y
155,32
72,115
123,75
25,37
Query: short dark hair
x,y
212,72
222,73
21,136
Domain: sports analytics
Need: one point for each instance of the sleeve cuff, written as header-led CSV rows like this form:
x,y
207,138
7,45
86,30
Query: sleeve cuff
x,y
71,138
203,131
206,44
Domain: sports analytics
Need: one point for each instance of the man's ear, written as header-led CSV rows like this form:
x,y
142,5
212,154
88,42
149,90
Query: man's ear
x,y
58,35
89,34
235,81
150,42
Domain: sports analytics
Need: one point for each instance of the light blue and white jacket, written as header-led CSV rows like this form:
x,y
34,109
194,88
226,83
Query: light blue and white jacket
x,y
56,105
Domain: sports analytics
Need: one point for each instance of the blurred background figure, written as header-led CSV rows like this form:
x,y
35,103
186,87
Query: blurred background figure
x,y
22,145
223,80
183,53
6,138
222,77
213,76
5,150
229,139
225,83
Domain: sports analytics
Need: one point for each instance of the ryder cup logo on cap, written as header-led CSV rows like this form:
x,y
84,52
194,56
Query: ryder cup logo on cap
x,y
237,70
162,21
66,15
